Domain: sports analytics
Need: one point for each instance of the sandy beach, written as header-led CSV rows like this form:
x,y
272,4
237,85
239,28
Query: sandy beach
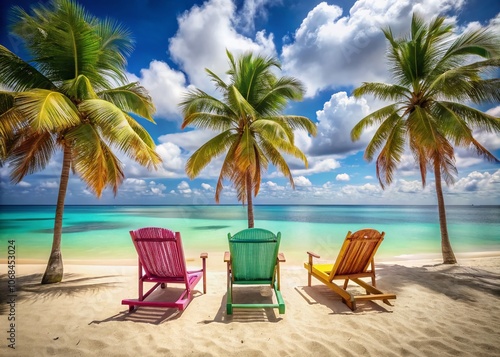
x,y
439,311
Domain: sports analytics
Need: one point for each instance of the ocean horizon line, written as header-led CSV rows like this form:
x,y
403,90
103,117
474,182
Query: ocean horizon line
x,y
255,205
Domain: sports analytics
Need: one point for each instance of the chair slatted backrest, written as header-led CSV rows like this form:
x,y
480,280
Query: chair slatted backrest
x,y
357,252
254,253
160,252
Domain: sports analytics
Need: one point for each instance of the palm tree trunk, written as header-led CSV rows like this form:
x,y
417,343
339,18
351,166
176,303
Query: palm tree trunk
x,y
54,270
250,201
447,251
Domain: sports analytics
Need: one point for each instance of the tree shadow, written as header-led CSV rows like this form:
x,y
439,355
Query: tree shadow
x,y
455,281
28,287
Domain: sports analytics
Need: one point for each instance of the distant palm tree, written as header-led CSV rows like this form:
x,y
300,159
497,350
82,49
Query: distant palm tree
x,y
253,130
435,78
64,98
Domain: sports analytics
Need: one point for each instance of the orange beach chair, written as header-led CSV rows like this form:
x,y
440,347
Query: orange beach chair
x,y
355,261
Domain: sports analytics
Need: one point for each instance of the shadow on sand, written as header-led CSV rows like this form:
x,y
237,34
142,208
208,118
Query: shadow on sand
x,y
28,287
455,281
248,295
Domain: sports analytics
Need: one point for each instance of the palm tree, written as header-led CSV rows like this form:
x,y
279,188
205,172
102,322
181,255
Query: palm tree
x,y
435,78
253,130
64,98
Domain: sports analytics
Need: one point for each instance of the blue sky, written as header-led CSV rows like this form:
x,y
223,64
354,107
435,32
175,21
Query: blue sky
x,y
332,47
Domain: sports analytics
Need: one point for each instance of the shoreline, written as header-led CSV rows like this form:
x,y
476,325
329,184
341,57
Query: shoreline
x,y
217,264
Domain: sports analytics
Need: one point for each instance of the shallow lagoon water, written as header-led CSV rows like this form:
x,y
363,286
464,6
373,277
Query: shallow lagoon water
x,y
101,232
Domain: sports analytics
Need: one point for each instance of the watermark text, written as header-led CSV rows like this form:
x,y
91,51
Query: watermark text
x,y
11,294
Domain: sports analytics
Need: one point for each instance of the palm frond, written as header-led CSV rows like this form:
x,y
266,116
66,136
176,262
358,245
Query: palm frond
x,y
60,39
484,91
204,111
482,42
444,155
278,160
79,88
241,106
378,116
228,170
115,46
382,91
245,154
421,158
390,155
131,98
219,83
456,83
90,155
386,131
472,117
297,122
140,131
11,119
19,75
273,100
47,110
31,153
272,129
209,151
423,127
114,126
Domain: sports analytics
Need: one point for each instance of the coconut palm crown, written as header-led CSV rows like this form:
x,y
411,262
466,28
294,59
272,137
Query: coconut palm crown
x,y
71,95
253,131
437,76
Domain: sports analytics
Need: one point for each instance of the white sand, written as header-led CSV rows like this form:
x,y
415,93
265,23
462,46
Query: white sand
x,y
439,311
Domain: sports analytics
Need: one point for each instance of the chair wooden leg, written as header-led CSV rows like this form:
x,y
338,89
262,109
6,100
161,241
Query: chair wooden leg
x,y
309,271
204,277
229,299
345,283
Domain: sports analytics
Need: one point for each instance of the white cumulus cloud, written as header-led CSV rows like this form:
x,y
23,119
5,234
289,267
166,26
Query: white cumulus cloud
x,y
332,48
342,177
302,181
204,34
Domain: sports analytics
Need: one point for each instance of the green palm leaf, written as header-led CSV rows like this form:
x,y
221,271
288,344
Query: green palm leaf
x,y
47,110
130,98
114,126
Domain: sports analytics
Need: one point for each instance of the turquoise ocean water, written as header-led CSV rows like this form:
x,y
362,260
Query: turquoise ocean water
x,y
101,232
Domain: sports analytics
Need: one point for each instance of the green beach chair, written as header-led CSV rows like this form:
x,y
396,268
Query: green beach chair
x,y
253,259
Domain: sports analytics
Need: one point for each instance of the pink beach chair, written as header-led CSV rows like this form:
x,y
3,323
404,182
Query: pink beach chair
x,y
161,261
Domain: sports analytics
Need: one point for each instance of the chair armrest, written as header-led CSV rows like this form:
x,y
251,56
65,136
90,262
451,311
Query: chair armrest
x,y
313,255
281,257
227,257
204,255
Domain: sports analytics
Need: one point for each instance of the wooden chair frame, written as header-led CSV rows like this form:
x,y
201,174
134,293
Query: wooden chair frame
x,y
355,261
